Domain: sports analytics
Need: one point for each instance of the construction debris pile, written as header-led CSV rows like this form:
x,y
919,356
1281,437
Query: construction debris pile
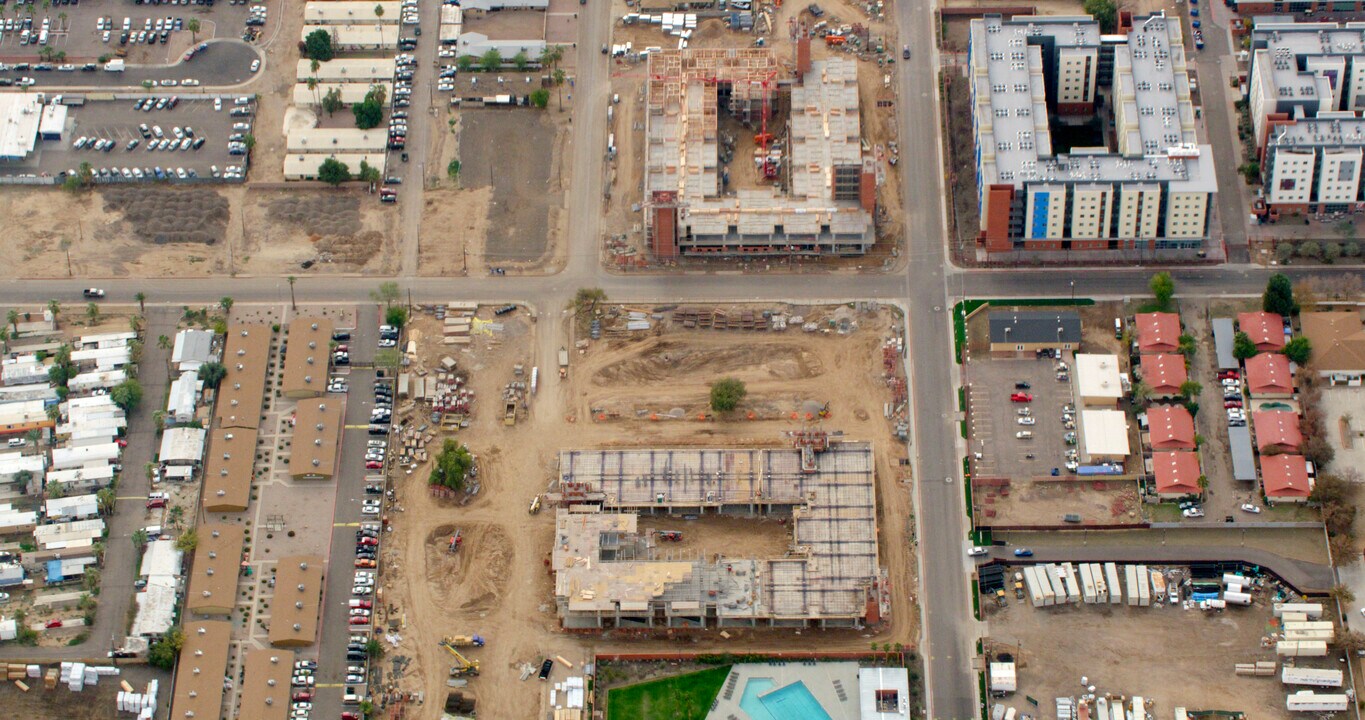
x,y
457,322
143,704
447,391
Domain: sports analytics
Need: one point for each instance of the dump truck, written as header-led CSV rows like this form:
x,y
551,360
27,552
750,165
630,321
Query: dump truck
x,y
463,641
563,362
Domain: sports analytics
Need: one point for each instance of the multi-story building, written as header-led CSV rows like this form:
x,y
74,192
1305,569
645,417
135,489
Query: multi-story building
x,y
1305,93
1145,183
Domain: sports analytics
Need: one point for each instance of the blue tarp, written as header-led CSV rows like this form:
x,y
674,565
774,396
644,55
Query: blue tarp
x,y
54,571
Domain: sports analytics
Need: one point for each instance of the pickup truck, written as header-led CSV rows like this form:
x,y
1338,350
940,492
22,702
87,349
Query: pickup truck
x,y
93,293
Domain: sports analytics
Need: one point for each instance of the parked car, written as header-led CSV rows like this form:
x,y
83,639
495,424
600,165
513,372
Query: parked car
x,y
1253,509
93,293
1023,552
977,551
1022,386
1021,397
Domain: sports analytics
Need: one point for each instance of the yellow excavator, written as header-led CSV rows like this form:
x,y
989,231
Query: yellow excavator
x,y
463,666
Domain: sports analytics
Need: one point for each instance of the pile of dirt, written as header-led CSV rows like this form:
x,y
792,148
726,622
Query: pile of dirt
x,y
472,579
356,249
321,215
165,215
667,359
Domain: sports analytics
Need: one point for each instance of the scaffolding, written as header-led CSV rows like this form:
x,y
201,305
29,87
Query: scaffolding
x,y
609,573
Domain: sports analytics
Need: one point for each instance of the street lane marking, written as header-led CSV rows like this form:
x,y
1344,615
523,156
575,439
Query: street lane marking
x,y
130,497
350,524
327,685
356,427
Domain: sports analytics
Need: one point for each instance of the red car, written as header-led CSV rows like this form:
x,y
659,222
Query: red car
x,y
373,465
1228,375
363,604
303,696
53,624
349,716
357,620
1232,404
367,541
342,348
365,563
122,443
1021,398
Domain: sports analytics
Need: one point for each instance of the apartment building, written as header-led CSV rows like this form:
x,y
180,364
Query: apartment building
x,y
1148,183
1305,93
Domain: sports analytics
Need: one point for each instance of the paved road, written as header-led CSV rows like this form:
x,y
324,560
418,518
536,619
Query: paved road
x,y
421,124
224,63
1213,91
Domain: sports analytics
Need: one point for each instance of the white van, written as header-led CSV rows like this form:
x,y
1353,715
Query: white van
x,y
17,442
42,38
350,699
153,531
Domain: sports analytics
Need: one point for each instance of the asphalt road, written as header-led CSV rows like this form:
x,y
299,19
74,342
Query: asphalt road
x,y
224,63
421,124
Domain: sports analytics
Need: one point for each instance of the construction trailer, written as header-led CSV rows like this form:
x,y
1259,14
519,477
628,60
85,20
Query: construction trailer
x,y
1111,575
1101,583
1054,576
1290,675
1311,610
1088,594
1130,585
1309,701
1035,592
1144,586
1301,648
1073,589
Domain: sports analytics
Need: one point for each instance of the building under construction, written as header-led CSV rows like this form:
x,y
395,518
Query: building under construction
x,y
609,574
820,195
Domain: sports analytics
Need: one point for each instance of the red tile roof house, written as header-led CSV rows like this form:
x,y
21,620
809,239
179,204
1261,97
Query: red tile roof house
x,y
1177,474
1158,332
1285,478
1277,431
1265,329
1171,427
1268,375
1163,373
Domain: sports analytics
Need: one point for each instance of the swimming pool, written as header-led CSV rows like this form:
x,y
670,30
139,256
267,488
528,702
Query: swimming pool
x,y
792,702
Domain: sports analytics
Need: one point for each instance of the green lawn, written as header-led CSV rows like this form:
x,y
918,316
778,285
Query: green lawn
x,y
682,697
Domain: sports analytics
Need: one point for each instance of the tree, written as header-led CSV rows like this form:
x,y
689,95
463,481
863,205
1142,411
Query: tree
x,y
333,172
249,141
551,55
368,174
1351,249
91,580
1251,171
378,10
1331,251
164,653
139,539
13,318
141,298
521,62
558,77
452,465
726,394
464,63
55,490
292,302
331,101
1318,451
318,46
1142,393
1310,249
1104,12
226,304
374,648
1163,287
396,315
1190,389
105,498
368,114
389,359
1187,345
92,311
188,541
212,373
388,293
540,97
587,299
193,26
164,342
491,60
175,515
127,394
1298,350
1342,594
312,84
1279,296
1243,347
1351,642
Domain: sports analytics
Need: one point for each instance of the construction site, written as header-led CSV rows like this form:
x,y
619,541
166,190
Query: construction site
x,y
804,537
609,574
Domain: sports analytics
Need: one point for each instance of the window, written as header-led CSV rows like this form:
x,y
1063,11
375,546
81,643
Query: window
x,y
1288,184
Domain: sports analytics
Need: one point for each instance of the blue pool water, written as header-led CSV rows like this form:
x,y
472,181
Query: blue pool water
x,y
793,702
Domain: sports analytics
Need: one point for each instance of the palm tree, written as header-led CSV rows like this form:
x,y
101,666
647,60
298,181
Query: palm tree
x,y
175,515
313,88
62,18
139,539
92,311
105,498
4,340
558,78
13,318
226,305
55,308
193,26
163,342
293,304
141,297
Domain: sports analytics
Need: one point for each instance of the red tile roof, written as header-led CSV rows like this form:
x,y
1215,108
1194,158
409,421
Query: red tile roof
x,y
1177,473
1158,332
1171,427
1268,374
1164,373
1265,329
1285,476
1277,430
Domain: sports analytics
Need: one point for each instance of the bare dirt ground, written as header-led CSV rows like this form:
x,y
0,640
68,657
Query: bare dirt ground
x,y
1042,502
283,228
1141,651
498,584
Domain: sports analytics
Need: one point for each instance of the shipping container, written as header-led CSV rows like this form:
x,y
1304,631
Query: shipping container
x,y
1309,676
1237,598
1312,610
1144,586
1309,625
1102,708
1139,707
1035,592
1073,588
1058,587
1324,635
1130,585
1309,701
1290,617
1101,585
1301,648
1116,710
1235,578
1087,585
1111,576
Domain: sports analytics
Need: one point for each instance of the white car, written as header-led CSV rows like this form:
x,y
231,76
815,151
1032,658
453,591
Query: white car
x,y
217,104
189,82
1192,513
255,65
1026,421
4,597
1253,509
977,551
362,590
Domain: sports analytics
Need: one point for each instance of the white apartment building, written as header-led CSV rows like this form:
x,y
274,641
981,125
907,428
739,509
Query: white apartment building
x,y
1148,185
1306,96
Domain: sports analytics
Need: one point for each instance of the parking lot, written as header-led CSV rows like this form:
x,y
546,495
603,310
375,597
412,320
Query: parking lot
x,y
222,63
81,33
995,422
128,145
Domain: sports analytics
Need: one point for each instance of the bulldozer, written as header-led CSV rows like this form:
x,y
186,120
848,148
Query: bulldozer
x,y
463,641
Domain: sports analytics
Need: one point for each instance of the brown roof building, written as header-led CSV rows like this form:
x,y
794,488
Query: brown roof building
x,y
1177,474
199,674
246,355
1268,375
298,598
1285,478
217,564
1164,373
306,357
1158,332
228,466
317,431
1265,329
265,688
1277,431
1338,341
1170,427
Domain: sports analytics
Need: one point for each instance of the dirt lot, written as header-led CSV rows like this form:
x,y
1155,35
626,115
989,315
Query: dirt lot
x,y
192,231
1170,656
92,703
876,81
1041,502
497,585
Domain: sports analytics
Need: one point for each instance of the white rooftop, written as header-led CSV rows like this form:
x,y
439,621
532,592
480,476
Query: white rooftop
x,y
1097,377
1105,433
